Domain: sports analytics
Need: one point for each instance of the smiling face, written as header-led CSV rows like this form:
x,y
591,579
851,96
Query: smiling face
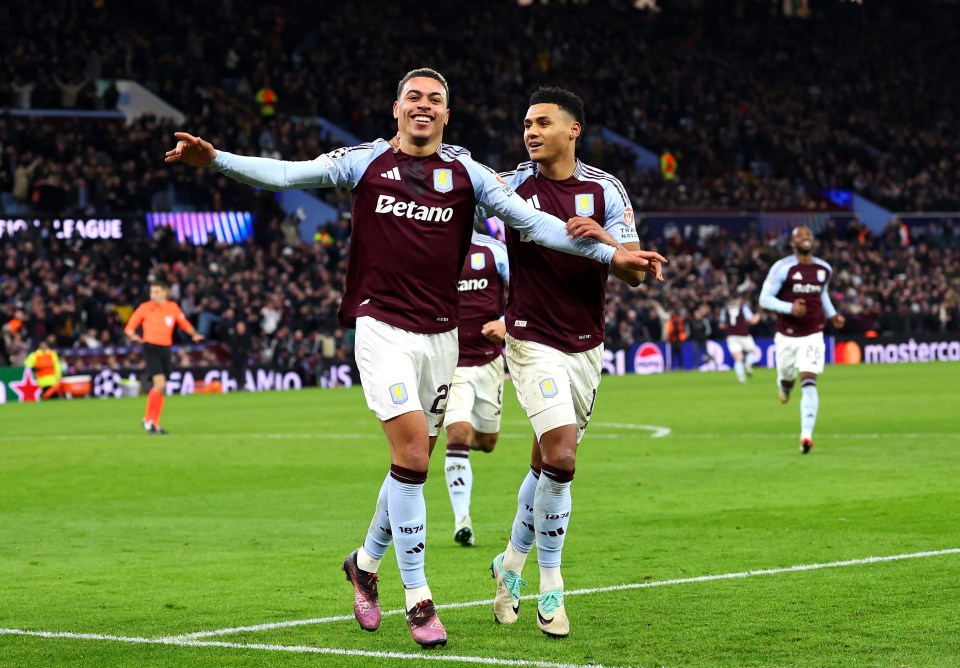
x,y
549,133
421,111
801,240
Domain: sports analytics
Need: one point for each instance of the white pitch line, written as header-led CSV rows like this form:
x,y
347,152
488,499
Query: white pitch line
x,y
577,592
658,431
299,649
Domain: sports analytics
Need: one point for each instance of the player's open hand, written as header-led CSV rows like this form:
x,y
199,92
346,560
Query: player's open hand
x,y
395,143
494,331
197,336
799,309
838,321
649,262
191,150
587,228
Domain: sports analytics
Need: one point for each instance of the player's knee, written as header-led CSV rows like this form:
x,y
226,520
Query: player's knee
x,y
160,384
459,432
563,459
486,442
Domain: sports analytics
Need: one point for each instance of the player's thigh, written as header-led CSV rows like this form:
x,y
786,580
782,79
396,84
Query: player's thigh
x,y
542,383
811,353
488,397
462,397
735,345
787,352
387,359
438,362
583,370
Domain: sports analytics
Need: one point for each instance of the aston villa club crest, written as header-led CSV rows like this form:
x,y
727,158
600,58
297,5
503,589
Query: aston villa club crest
x,y
398,393
584,205
548,387
477,261
822,275
443,180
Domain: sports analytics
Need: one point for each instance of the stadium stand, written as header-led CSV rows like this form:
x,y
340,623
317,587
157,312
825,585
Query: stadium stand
x,y
723,102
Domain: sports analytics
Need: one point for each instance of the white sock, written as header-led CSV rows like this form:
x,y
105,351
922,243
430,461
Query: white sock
x,y
514,559
550,578
367,563
417,594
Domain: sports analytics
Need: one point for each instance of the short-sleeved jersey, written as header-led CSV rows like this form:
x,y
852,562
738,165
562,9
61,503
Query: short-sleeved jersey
x,y
558,299
736,318
158,321
790,280
412,221
483,280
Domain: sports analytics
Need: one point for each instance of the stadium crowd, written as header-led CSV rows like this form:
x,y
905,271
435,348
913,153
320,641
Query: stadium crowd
x,y
752,125
286,292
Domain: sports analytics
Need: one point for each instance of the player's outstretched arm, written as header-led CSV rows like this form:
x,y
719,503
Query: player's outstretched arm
x,y
625,261
341,167
587,228
191,151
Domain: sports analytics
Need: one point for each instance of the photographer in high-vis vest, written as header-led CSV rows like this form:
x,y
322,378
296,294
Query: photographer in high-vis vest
x,y
47,368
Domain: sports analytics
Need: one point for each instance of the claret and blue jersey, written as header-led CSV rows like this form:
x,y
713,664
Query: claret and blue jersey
x,y
412,223
790,280
558,299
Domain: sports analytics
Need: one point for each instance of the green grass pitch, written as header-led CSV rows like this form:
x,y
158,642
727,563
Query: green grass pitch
x,y
242,516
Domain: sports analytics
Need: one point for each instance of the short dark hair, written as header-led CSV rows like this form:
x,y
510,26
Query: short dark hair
x,y
566,100
160,283
427,73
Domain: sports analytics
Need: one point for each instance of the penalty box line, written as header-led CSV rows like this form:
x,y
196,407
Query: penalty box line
x,y
579,592
298,649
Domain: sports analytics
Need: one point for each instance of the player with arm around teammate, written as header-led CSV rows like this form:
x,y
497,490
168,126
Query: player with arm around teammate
x,y
472,421
555,327
796,290
736,318
412,213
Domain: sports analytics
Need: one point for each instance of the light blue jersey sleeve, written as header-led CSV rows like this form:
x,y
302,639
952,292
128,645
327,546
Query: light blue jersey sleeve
x,y
619,220
828,309
543,228
771,286
342,168
499,251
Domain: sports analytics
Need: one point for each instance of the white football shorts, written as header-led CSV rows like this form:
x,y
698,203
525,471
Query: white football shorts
x,y
476,396
554,388
741,344
403,371
799,354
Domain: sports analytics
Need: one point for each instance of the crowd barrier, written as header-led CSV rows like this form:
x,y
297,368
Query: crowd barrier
x,y
18,384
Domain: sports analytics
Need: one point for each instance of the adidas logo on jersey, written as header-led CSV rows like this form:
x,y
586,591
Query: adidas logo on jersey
x,y
535,201
392,174
797,276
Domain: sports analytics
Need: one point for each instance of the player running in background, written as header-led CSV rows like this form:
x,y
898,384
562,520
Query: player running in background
x,y
412,221
476,394
735,320
796,289
555,326
158,317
